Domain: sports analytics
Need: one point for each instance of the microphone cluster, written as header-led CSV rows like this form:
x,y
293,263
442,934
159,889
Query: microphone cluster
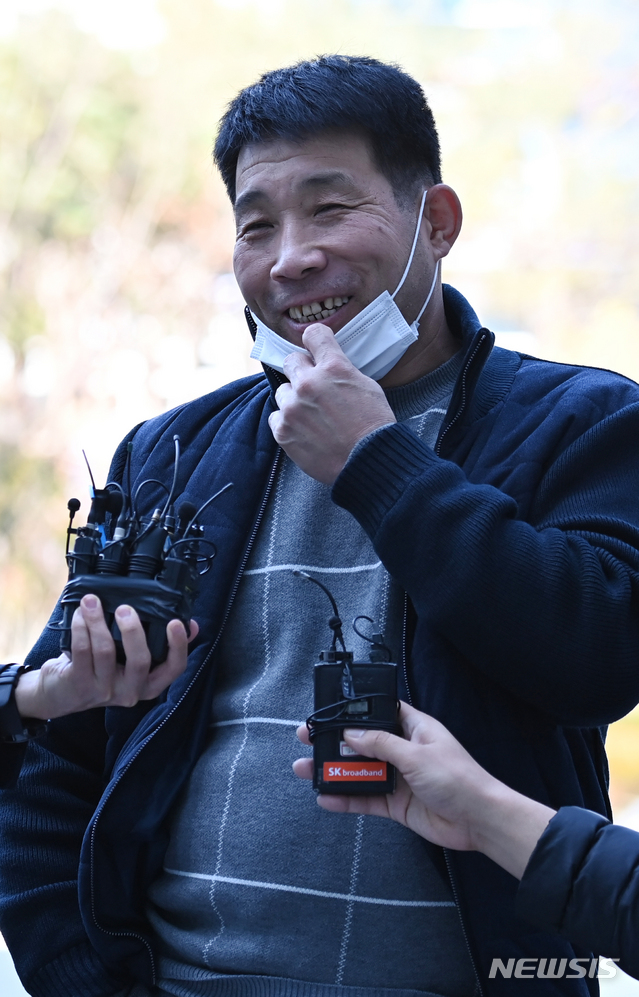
x,y
152,563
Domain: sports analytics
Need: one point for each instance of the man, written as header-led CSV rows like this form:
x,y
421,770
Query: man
x,y
477,504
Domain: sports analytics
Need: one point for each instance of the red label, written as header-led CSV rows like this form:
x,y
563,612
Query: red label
x,y
355,771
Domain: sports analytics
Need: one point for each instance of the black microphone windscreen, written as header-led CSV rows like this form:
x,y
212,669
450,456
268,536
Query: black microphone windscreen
x,y
187,511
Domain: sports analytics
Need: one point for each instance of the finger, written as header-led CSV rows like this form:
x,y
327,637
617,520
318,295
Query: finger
x,y
176,660
275,422
102,646
320,342
410,718
131,682
380,744
303,734
194,629
303,768
80,640
421,728
283,394
282,428
296,364
133,637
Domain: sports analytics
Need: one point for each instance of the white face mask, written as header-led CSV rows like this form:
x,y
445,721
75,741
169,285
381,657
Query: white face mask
x,y
374,340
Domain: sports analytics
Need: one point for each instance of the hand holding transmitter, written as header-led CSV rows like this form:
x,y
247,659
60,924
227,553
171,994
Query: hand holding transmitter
x,y
351,694
152,563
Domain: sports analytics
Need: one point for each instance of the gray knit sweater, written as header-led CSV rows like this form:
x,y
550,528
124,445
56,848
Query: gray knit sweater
x,y
263,892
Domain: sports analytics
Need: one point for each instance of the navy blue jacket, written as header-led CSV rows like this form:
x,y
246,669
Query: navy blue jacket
x,y
582,880
517,542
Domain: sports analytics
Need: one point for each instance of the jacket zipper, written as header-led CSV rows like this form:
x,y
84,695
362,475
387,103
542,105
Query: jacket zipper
x,y
479,990
464,377
104,801
404,649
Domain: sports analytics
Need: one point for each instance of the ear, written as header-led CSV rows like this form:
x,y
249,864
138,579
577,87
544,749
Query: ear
x,y
443,211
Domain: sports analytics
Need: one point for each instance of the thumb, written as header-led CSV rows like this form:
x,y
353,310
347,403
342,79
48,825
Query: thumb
x,y
321,343
378,744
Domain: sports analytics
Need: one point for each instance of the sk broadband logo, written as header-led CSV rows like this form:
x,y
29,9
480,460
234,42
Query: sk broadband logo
x,y
351,771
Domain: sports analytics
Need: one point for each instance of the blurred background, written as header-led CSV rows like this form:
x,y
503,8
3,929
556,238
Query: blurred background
x,y
117,298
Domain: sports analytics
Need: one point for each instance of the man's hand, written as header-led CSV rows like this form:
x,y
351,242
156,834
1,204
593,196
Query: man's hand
x,y
327,407
92,677
442,793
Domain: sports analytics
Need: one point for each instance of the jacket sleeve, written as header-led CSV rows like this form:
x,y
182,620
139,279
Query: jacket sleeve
x,y
582,881
11,758
43,819
547,605
12,755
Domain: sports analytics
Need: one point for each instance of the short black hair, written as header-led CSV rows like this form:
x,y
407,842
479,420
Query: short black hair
x,y
337,91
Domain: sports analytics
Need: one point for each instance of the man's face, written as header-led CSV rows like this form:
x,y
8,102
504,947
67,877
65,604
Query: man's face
x,y
319,232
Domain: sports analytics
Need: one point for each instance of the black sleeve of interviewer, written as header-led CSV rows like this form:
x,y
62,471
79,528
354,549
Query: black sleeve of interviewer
x,y
582,881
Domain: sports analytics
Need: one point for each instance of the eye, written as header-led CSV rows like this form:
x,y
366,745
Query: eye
x,y
254,227
333,206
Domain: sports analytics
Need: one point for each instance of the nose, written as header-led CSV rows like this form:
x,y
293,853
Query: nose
x,y
297,254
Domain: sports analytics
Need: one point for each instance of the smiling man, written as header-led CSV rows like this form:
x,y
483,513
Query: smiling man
x,y
323,235
477,504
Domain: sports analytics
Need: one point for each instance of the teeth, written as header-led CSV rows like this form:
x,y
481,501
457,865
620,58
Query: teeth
x,y
317,310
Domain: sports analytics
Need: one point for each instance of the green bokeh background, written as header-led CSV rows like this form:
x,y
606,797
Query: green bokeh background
x,y
116,299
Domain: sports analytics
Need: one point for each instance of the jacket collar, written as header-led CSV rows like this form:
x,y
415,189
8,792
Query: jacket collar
x,y
486,374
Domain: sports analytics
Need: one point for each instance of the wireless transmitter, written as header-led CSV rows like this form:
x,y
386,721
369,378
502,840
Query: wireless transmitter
x,y
153,563
351,694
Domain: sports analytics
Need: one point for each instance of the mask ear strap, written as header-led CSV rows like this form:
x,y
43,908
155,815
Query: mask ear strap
x,y
430,294
412,251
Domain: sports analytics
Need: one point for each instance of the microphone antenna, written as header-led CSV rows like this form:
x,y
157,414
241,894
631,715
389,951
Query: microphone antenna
x,y
176,464
129,451
86,461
